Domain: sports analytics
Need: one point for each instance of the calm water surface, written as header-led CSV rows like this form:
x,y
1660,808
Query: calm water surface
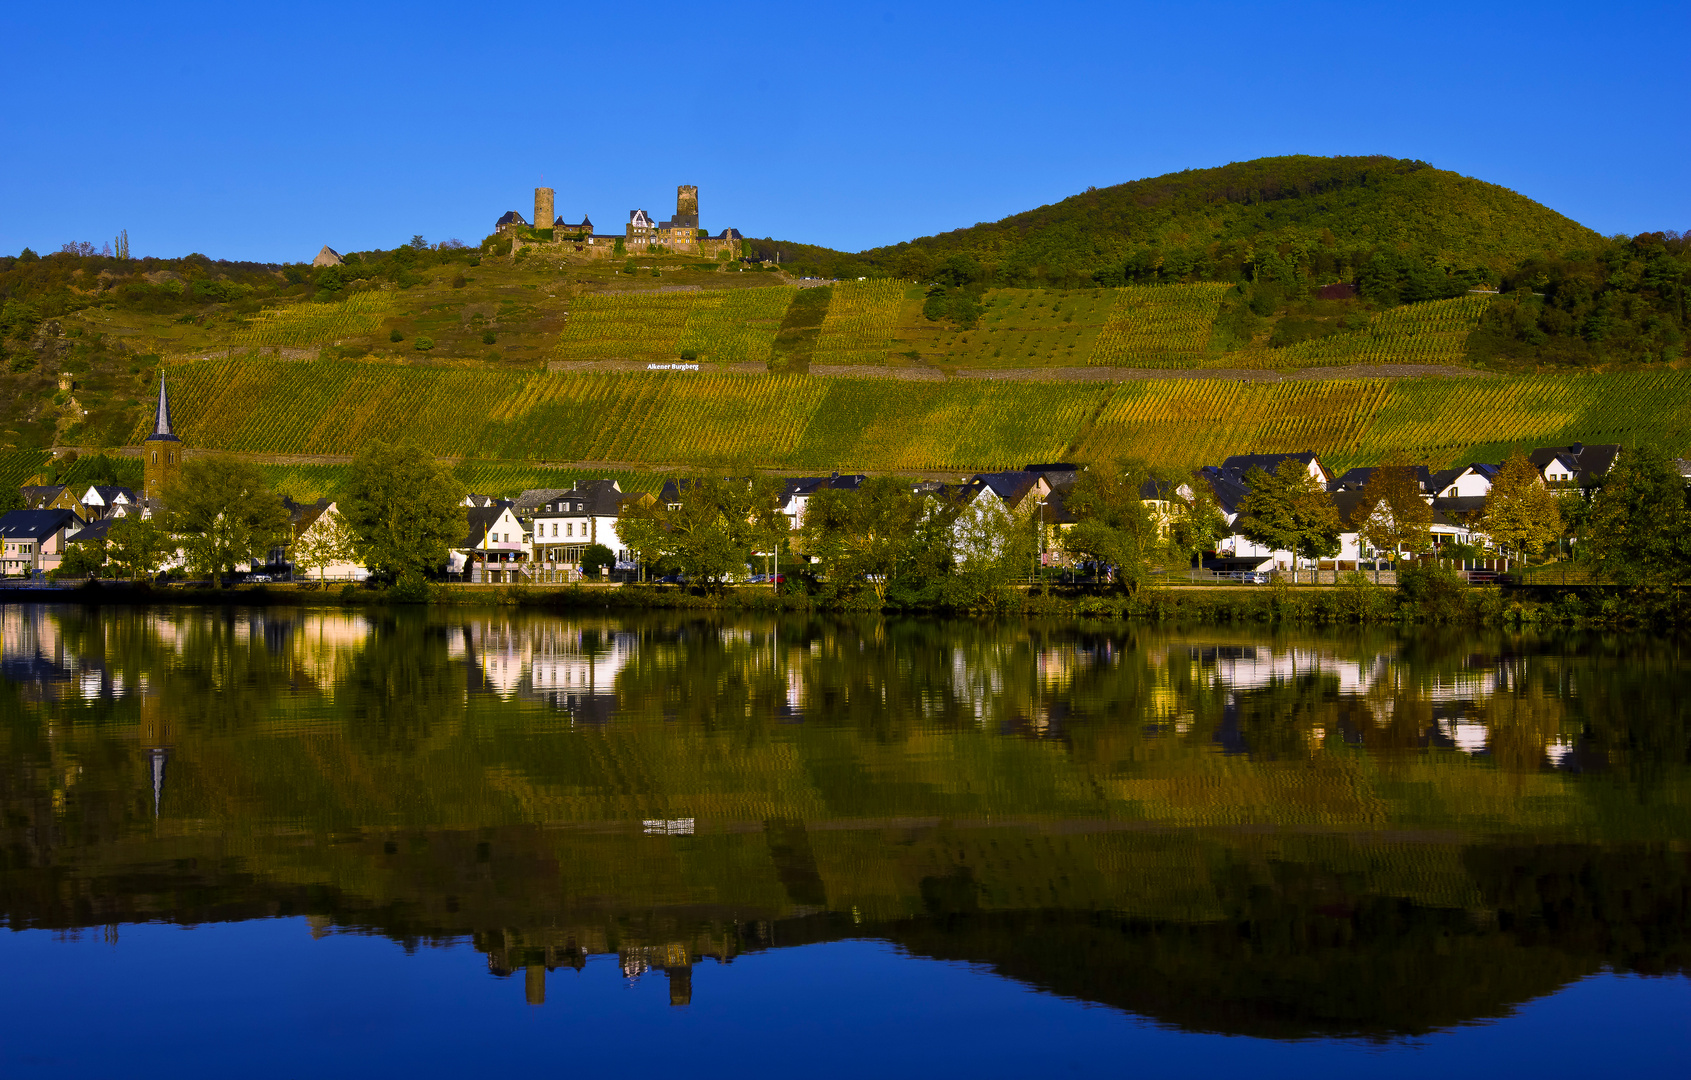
x,y
276,843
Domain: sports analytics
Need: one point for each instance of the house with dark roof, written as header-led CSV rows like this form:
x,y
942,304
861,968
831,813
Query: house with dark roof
x,y
102,501
569,522
45,497
1576,464
1469,481
1240,464
492,548
34,540
509,218
1358,478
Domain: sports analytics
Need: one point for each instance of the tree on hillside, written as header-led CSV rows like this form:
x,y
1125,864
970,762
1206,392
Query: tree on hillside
x,y
1638,532
1392,517
1521,514
1289,510
1113,526
405,511
138,546
223,512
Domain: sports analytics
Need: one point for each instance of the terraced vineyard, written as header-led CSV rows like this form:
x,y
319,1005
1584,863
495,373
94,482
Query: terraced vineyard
x,y
16,466
1159,325
789,420
309,482
1432,332
310,324
861,322
735,325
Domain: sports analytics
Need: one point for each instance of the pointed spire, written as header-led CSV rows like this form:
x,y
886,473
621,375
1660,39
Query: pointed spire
x,y
161,426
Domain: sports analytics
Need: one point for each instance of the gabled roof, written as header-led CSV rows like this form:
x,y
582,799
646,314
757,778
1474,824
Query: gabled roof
x,y
510,217
533,499
37,524
596,498
480,520
1240,464
1228,490
1358,478
1011,487
1588,462
95,531
41,495
730,234
109,494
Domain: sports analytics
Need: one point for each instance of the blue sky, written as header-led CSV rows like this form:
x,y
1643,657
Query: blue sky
x,y
264,132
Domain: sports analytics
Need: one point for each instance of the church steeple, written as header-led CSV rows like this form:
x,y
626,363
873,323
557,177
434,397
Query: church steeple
x,y
161,424
161,453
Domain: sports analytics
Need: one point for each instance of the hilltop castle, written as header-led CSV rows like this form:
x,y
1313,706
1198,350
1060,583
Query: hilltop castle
x,y
680,233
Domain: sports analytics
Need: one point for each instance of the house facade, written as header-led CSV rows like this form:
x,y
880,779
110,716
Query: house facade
x,y
34,540
492,551
569,522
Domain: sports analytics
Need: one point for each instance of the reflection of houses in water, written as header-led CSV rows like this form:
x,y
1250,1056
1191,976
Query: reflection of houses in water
x,y
1256,667
571,667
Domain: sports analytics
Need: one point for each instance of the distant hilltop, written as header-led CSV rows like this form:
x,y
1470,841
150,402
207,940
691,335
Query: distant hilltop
x,y
680,234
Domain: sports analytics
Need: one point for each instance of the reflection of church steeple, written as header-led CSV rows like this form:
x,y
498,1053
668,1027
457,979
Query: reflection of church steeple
x,y
157,757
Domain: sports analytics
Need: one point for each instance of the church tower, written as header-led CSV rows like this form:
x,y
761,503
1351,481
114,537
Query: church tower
x,y
162,452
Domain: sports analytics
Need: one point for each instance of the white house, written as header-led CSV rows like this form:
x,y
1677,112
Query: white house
x,y
1471,481
102,501
310,525
492,550
569,522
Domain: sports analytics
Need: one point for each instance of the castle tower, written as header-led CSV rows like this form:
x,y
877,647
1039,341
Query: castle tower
x,y
687,206
543,216
162,450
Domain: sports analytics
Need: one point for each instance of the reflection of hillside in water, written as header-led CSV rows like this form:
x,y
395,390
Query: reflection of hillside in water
x,y
1229,831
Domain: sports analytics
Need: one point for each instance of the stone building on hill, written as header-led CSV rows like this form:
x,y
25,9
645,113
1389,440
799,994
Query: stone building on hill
x,y
327,257
680,234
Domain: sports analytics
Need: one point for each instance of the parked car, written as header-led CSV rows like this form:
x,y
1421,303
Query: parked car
x,y
259,579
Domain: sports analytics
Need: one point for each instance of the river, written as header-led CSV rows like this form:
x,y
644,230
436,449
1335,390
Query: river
x,y
282,842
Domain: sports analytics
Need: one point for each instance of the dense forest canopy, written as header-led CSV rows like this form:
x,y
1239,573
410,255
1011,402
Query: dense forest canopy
x,y
1307,217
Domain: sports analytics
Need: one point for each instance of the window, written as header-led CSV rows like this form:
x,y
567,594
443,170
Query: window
x,y
569,530
155,457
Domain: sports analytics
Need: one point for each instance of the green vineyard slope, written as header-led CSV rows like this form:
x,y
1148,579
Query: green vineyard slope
x,y
791,420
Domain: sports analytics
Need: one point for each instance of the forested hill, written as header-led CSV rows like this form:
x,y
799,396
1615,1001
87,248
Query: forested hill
x,y
1286,217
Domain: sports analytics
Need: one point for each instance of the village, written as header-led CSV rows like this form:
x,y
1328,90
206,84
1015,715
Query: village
x,y
1248,519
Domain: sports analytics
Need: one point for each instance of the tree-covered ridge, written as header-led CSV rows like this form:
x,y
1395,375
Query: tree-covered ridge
x,y
1316,216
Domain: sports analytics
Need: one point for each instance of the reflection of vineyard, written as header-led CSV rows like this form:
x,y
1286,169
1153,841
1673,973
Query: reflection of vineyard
x,y
787,420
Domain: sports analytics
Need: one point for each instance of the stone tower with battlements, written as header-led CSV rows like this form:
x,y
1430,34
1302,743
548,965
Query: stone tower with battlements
x,y
543,216
686,206
162,450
